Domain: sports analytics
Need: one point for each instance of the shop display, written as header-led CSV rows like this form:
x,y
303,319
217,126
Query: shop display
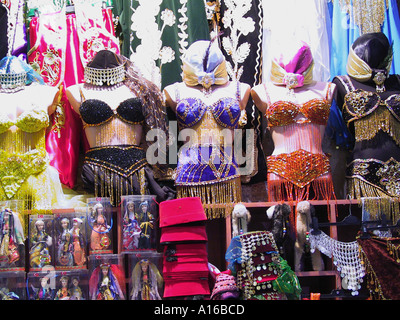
x,y
208,103
296,108
107,277
208,169
146,281
70,232
100,221
138,215
368,96
41,242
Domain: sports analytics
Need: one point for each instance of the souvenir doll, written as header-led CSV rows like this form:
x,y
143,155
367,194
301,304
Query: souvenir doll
x,y
105,283
64,243
146,281
131,229
45,292
297,109
146,223
78,242
40,243
99,238
212,107
76,290
11,237
64,293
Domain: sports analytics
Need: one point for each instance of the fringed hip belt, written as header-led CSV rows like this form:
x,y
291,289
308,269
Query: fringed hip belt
x,y
373,178
299,170
122,160
205,165
115,171
211,173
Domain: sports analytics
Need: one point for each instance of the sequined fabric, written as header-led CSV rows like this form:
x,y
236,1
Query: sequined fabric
x,y
375,177
226,111
95,112
299,167
122,160
254,259
282,113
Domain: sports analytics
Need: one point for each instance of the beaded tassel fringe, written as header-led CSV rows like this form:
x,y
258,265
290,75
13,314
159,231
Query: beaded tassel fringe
x,y
218,199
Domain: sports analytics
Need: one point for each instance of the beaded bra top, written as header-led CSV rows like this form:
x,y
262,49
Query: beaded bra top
x,y
226,111
282,113
359,103
28,121
95,112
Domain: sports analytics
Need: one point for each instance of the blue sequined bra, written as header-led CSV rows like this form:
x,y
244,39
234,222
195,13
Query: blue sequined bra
x,y
226,111
95,112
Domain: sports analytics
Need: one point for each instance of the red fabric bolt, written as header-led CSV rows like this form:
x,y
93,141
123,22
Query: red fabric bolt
x,y
181,211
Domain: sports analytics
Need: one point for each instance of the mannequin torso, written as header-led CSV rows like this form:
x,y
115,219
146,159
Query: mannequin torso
x,y
266,94
117,132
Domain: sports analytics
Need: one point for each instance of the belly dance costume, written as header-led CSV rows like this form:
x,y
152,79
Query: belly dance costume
x,y
206,170
375,119
119,169
290,175
25,172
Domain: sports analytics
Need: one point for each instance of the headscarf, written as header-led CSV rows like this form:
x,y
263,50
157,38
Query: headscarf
x,y
370,58
293,71
204,64
13,66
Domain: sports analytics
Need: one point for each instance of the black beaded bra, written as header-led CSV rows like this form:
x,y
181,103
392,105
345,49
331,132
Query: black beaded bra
x,y
95,112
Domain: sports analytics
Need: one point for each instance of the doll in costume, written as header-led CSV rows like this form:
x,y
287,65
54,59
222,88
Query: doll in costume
x,y
76,290
296,109
45,292
78,242
146,281
212,107
64,244
146,223
64,292
131,228
99,238
369,99
41,241
105,283
12,237
118,107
